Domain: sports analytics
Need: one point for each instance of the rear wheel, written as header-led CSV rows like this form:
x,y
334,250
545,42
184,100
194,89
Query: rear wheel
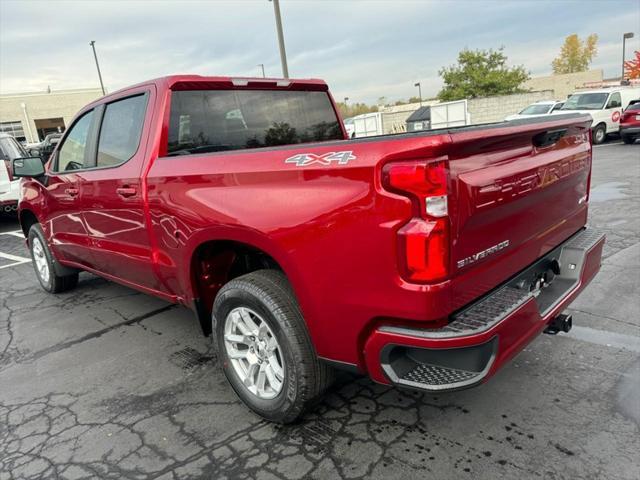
x,y
43,264
599,134
264,347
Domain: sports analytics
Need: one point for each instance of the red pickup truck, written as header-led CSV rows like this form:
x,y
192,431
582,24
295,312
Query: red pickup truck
x,y
425,260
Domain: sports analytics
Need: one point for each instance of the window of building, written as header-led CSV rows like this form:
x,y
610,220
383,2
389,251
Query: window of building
x,y
121,130
14,129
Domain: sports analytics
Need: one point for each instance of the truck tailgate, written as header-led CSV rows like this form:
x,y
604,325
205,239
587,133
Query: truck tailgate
x,y
517,191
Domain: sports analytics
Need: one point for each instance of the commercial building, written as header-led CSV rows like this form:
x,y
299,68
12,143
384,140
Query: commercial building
x,y
563,85
31,116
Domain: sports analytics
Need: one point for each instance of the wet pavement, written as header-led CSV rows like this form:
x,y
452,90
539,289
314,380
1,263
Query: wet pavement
x,y
104,382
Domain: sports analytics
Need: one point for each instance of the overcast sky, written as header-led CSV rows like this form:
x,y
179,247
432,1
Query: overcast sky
x,y
363,49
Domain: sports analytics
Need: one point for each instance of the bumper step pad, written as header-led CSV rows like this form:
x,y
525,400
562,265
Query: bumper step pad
x,y
436,375
484,314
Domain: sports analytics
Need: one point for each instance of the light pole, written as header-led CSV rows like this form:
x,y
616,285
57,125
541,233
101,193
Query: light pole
x,y
283,53
261,65
93,46
624,40
419,91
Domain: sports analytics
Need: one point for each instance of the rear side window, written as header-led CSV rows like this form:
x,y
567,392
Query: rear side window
x,y
219,120
72,152
120,131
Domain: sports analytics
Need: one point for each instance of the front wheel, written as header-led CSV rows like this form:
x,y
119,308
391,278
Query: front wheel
x,y
43,264
264,347
599,134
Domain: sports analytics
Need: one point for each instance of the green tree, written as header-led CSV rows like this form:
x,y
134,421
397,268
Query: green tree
x,y
575,54
481,73
353,109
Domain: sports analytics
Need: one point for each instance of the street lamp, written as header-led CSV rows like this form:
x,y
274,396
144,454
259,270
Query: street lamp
x,y
93,46
419,91
624,40
261,65
283,53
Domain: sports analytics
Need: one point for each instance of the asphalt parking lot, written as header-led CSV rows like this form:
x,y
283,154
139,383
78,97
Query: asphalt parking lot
x,y
106,382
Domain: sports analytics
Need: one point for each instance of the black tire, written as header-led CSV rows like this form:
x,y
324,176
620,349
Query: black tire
x,y
55,283
268,293
628,139
599,134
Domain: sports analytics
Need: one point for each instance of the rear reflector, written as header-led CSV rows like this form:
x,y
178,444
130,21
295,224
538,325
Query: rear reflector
x,y
425,248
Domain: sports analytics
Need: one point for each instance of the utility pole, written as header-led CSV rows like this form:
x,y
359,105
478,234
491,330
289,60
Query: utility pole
x,y
261,65
93,46
419,91
283,53
624,40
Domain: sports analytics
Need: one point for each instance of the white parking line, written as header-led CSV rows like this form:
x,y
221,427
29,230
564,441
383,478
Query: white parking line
x,y
15,258
17,233
607,144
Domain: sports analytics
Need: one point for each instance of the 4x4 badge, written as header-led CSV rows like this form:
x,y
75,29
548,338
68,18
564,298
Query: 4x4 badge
x,y
306,159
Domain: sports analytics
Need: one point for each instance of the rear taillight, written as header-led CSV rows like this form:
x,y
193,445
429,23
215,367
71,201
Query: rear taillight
x,y
9,169
424,240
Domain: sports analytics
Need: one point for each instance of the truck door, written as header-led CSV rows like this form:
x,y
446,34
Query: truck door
x,y
614,111
65,228
112,196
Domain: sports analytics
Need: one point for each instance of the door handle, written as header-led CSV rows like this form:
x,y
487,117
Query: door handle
x,y
72,192
126,192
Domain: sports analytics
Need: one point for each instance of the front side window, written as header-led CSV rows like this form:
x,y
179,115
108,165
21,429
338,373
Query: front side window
x,y
614,101
72,152
219,120
121,130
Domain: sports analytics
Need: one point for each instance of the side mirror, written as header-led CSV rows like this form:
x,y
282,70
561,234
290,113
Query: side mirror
x,y
28,167
34,152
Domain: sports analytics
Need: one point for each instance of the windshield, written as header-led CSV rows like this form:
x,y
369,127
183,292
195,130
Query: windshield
x,y
10,149
585,101
217,120
536,109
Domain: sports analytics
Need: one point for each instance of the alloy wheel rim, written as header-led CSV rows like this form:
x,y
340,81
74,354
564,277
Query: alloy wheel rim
x,y
40,259
254,353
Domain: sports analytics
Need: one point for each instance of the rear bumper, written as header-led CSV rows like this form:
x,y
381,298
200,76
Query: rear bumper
x,y
486,334
630,130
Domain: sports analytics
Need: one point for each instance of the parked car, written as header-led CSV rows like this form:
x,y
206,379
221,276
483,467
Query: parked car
x,y
425,260
10,149
605,107
630,122
537,109
349,126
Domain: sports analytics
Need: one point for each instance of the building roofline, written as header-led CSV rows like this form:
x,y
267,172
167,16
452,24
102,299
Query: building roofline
x,y
52,92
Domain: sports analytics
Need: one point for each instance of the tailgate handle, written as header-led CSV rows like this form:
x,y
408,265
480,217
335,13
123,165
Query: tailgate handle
x,y
545,139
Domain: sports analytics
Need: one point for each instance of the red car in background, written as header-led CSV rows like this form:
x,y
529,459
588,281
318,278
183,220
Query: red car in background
x,y
630,122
